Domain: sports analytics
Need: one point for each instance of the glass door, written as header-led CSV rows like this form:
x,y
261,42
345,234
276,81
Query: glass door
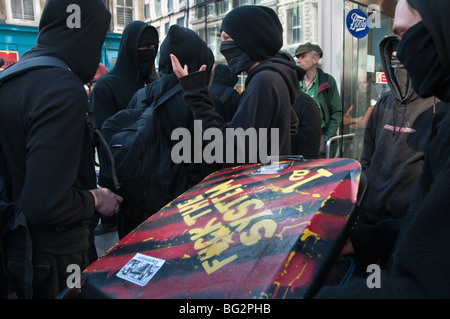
x,y
363,81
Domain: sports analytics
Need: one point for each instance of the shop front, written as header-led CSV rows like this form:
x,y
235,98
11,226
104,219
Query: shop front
x,y
366,23
16,40
349,33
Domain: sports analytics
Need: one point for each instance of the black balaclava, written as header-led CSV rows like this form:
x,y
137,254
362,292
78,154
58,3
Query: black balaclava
x,y
237,59
80,47
257,35
186,45
425,50
146,57
131,63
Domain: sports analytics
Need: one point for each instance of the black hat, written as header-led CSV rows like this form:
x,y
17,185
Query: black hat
x,y
256,30
308,47
186,45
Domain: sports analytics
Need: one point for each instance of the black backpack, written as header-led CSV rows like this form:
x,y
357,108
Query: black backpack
x,y
141,149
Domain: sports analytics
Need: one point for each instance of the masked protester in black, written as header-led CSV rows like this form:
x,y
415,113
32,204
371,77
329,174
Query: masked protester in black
x,y
416,245
114,90
135,61
271,86
174,112
46,146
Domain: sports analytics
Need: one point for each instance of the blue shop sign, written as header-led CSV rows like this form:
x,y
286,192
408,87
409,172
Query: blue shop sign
x,y
358,23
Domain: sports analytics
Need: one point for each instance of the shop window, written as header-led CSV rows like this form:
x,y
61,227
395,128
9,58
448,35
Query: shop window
x,y
180,22
222,7
294,25
124,12
22,9
363,82
200,12
146,11
158,11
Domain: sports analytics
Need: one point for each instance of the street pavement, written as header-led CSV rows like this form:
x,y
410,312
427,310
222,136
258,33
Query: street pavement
x,y
105,241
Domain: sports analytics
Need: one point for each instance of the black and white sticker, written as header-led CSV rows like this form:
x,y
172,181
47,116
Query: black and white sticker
x,y
140,269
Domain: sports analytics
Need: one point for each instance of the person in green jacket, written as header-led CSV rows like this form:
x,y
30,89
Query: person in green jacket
x,y
322,88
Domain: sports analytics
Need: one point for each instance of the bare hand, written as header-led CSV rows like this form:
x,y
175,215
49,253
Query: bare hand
x,y
106,202
346,250
179,70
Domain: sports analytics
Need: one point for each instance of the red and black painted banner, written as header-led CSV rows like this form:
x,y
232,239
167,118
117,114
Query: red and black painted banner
x,y
254,231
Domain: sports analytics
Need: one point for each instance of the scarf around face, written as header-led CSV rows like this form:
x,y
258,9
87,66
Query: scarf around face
x,y
417,51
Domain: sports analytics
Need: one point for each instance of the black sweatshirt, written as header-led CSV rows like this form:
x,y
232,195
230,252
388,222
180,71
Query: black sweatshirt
x,y
113,91
397,135
419,258
43,130
270,90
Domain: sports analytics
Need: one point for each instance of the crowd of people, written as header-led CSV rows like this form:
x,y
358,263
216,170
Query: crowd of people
x,y
47,153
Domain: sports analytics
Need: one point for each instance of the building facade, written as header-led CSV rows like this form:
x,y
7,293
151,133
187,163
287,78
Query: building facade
x,y
19,22
351,58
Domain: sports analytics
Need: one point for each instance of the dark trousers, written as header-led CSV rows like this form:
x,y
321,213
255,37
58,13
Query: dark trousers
x,y
49,272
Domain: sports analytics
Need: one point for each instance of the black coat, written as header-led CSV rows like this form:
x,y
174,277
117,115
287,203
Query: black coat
x,y
113,91
226,98
417,245
306,141
271,89
43,130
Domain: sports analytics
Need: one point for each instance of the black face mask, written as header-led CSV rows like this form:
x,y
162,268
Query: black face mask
x,y
237,59
146,60
418,53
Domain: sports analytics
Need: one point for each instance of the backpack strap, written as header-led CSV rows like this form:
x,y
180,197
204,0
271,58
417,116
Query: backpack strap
x,y
26,65
41,62
173,90
94,129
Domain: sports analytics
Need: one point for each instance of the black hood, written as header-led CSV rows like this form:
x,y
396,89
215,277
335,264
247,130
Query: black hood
x,y
435,17
257,30
78,45
222,76
186,45
398,79
291,74
127,63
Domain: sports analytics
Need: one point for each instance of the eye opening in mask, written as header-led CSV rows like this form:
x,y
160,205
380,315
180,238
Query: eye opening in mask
x,y
396,63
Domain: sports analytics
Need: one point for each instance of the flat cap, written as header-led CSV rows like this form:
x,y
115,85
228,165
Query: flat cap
x,y
308,47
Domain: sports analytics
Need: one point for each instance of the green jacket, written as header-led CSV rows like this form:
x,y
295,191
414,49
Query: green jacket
x,y
330,102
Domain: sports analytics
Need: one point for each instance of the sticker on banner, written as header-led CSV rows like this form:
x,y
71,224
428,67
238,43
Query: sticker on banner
x,y
140,269
270,169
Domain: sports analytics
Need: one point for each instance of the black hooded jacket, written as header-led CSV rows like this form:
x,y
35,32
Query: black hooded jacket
x,y
397,135
113,91
270,90
419,258
175,113
222,86
43,131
